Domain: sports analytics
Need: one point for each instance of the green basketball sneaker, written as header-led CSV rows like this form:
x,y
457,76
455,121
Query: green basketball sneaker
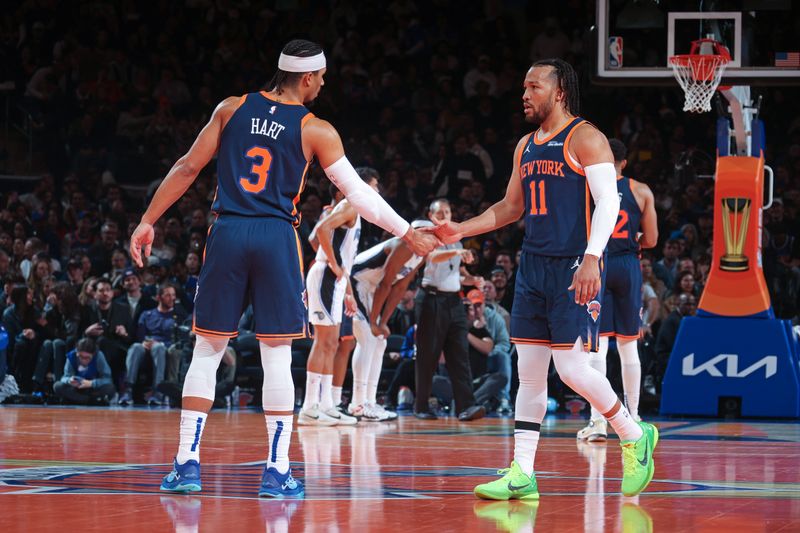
x,y
637,460
514,485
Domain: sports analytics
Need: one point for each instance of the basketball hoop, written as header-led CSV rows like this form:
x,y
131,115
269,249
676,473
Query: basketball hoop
x,y
700,72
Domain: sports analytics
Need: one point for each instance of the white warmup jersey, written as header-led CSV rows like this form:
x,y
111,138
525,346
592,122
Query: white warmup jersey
x,y
367,273
325,292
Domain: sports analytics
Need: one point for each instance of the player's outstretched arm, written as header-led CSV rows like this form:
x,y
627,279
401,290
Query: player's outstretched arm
x,y
342,214
181,176
397,258
323,140
502,213
649,220
593,153
395,295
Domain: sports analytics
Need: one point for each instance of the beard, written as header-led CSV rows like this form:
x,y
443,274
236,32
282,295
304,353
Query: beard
x,y
541,113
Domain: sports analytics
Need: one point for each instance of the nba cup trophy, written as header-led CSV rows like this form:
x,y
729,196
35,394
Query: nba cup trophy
x,y
734,357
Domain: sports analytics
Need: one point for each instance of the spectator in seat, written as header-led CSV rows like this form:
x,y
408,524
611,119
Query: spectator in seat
x,y
687,306
87,376
155,333
109,324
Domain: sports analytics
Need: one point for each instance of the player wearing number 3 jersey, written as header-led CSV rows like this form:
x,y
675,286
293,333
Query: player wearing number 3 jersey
x,y
264,143
558,170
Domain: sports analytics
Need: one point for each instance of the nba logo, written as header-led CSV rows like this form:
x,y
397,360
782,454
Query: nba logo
x,y
615,52
272,110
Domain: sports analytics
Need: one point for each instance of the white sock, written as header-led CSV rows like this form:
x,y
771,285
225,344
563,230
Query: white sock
x,y
279,433
631,374
336,393
362,361
597,360
277,396
325,396
191,431
378,347
531,406
313,382
625,426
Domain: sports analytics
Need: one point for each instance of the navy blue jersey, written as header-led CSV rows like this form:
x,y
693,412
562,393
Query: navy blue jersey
x,y
261,167
623,239
557,213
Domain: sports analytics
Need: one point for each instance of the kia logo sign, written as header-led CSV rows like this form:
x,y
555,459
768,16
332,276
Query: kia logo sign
x,y
731,368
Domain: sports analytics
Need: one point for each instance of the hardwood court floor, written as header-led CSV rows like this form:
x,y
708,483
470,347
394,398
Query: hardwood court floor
x,y
99,470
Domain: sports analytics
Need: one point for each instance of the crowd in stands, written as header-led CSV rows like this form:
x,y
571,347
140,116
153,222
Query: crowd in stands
x,y
428,93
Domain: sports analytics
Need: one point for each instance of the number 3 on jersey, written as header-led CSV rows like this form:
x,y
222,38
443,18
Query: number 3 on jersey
x,y
262,160
538,207
622,222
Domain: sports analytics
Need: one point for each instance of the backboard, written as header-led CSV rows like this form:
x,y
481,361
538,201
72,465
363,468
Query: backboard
x,y
635,38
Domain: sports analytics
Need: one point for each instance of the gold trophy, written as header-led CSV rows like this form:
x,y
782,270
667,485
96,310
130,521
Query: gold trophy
x,y
735,218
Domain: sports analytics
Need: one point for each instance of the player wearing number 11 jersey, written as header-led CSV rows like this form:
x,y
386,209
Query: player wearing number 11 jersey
x,y
558,170
264,143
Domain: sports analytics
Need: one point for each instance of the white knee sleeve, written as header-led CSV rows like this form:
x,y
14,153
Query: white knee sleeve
x,y
533,364
574,370
277,393
628,352
201,378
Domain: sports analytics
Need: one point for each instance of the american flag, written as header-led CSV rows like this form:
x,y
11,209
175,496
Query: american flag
x,y
787,59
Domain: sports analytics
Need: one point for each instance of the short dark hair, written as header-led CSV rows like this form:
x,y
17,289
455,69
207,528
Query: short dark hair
x,y
296,48
86,345
619,150
567,82
367,173
166,285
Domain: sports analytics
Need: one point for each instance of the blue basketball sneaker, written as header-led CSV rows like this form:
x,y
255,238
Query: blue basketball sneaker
x,y
277,485
183,478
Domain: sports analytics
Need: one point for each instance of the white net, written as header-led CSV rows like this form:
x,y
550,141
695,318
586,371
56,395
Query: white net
x,y
698,76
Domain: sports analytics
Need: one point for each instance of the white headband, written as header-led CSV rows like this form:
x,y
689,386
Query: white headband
x,y
301,64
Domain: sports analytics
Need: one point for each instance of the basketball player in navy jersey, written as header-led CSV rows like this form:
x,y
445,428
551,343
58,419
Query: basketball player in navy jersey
x,y
264,143
337,236
557,170
622,293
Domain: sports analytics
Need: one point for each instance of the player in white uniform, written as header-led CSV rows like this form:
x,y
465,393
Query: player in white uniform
x,y
337,235
380,276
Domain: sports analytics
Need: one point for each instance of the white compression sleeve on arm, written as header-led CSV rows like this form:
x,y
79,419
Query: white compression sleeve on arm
x,y
367,203
602,179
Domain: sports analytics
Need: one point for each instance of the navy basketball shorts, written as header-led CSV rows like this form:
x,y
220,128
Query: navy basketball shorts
x,y
545,312
622,297
255,260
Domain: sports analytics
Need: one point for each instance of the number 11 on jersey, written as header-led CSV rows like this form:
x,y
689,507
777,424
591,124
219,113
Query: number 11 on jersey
x,y
538,207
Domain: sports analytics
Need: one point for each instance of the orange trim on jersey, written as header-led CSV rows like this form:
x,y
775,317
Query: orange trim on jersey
x,y
299,253
519,159
306,119
550,137
588,212
287,102
628,337
296,199
538,342
301,335
610,334
241,101
208,234
567,157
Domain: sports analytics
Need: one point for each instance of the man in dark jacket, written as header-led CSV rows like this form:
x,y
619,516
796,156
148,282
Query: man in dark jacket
x,y
687,306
